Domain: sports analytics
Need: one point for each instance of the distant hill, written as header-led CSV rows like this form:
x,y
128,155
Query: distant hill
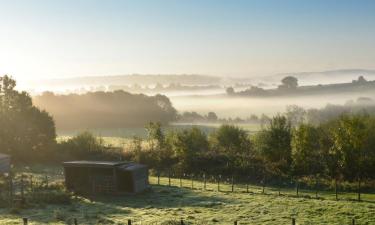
x,y
188,79
359,85
328,77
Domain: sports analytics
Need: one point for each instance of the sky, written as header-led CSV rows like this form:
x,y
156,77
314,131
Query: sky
x,y
54,38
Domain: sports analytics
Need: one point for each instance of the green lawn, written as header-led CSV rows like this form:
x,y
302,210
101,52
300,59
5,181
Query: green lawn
x,y
164,204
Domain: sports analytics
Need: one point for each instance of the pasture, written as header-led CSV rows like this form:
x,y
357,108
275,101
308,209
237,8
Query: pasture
x,y
164,204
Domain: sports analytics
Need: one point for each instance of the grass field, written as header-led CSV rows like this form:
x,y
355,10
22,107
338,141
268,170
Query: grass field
x,y
164,204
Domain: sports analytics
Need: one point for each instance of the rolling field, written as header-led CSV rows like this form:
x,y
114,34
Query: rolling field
x,y
167,205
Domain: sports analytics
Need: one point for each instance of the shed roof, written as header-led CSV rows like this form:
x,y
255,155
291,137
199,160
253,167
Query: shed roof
x,y
86,163
105,164
2,155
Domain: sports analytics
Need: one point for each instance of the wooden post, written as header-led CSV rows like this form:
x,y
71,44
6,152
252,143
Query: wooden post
x,y
11,187
263,185
204,180
180,181
75,221
297,188
182,222
46,181
22,191
169,178
247,187
235,222
31,183
25,221
316,187
336,191
129,222
293,221
353,221
192,181
218,183
232,184
158,178
359,189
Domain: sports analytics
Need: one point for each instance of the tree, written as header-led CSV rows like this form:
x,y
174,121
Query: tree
x,y
289,82
188,145
353,140
27,133
232,142
295,114
308,157
212,117
230,91
274,144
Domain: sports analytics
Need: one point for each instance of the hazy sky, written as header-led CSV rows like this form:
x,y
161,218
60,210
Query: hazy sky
x,y
58,38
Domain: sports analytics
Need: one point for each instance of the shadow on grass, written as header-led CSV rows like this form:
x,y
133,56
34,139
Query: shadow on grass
x,y
164,197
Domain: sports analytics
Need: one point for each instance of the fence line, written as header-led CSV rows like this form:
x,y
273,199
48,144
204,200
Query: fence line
x,y
229,181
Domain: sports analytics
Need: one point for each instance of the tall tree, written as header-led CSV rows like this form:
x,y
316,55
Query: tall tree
x,y
26,133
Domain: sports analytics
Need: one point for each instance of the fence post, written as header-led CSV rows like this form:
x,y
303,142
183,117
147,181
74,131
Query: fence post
x,y
204,180
247,187
192,181
31,183
25,221
293,221
218,183
336,194
353,221
316,187
235,222
359,189
182,222
22,192
263,185
232,184
129,222
297,188
75,221
46,181
11,188
169,178
181,180
158,178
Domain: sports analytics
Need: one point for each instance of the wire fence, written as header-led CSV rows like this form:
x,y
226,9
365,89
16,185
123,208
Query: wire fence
x,y
295,188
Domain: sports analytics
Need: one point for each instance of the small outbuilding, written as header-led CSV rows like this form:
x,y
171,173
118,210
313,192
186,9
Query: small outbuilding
x,y
4,163
105,177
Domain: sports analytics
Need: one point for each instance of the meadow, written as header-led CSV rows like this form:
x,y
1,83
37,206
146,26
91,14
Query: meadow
x,y
164,204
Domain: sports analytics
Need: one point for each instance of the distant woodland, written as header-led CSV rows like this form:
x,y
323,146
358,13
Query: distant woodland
x,y
289,87
188,79
116,109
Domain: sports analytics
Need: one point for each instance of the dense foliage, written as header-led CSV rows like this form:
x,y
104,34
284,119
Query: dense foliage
x,y
27,133
106,109
339,149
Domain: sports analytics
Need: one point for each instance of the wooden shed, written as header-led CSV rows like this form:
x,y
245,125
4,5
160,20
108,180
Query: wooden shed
x,y
105,177
4,163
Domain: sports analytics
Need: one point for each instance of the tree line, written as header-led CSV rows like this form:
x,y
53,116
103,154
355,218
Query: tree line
x,y
338,149
105,109
341,149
